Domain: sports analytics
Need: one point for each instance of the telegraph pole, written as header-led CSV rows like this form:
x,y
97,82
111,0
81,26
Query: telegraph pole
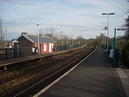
x,y
1,30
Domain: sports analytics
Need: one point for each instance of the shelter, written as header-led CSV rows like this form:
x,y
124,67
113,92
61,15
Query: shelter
x,y
29,44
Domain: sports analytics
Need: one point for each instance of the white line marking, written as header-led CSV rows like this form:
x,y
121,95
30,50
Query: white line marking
x,y
54,82
124,80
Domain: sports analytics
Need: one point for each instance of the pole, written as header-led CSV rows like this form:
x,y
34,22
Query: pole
x,y
107,32
1,31
114,48
38,38
78,41
72,41
105,40
108,14
62,40
115,53
105,37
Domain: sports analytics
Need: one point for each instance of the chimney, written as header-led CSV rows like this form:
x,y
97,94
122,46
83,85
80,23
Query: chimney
x,y
23,33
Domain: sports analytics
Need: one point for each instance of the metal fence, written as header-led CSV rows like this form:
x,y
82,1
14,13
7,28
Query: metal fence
x,y
66,47
16,52
6,53
9,53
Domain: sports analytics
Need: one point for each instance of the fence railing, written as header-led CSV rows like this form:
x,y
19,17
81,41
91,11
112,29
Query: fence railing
x,y
9,53
6,53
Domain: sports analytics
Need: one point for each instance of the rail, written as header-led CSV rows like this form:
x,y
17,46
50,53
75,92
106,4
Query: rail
x,y
28,58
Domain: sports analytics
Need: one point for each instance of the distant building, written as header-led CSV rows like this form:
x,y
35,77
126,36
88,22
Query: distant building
x,y
29,45
6,44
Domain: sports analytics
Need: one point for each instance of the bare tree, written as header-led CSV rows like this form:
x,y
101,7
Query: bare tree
x,y
127,26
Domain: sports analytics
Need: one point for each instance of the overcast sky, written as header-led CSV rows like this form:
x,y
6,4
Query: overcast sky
x,y
73,17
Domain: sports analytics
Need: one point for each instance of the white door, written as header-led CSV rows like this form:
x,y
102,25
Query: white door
x,y
50,47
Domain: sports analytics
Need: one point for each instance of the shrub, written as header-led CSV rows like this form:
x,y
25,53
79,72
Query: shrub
x,y
125,55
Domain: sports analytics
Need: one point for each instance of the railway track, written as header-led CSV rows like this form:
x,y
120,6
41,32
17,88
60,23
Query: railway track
x,y
44,78
35,57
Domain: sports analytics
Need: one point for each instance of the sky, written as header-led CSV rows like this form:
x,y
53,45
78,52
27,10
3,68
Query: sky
x,y
72,17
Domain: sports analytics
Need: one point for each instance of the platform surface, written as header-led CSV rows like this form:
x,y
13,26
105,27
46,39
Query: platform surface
x,y
94,77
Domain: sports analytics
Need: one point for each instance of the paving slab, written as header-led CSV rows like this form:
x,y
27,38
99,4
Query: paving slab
x,y
94,77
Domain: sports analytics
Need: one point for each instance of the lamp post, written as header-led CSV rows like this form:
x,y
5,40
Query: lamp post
x,y
78,41
62,42
72,41
105,39
108,14
114,44
38,38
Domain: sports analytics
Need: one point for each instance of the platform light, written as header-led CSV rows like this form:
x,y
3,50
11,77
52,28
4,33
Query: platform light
x,y
108,14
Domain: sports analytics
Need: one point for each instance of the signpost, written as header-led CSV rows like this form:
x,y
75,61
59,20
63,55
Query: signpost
x,y
114,44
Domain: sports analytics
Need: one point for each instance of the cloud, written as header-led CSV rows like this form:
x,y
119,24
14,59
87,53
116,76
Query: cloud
x,y
69,15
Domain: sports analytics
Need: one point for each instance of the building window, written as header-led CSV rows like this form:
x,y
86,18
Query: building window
x,y
45,47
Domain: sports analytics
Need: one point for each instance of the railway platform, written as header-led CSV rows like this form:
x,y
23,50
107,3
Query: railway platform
x,y
94,77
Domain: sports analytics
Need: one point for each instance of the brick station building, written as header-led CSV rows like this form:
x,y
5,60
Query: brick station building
x,y
28,44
